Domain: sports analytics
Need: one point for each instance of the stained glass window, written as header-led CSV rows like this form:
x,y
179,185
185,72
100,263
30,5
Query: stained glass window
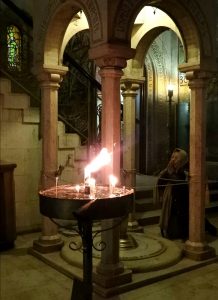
x,y
14,47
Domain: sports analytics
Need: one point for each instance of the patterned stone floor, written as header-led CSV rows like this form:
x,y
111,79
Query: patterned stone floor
x,y
24,277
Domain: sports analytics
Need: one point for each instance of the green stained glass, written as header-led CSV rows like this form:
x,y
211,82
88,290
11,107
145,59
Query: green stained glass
x,y
14,47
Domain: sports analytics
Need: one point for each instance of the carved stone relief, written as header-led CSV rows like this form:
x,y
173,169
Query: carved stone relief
x,y
96,24
197,13
123,18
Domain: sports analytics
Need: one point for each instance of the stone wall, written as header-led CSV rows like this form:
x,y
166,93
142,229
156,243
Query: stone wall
x,y
20,144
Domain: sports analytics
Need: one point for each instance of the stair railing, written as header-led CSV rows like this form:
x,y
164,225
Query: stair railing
x,y
60,117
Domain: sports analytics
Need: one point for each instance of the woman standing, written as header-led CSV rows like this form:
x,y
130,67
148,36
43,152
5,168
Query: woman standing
x,y
173,193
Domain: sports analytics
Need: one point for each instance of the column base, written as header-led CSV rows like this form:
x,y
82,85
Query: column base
x,y
128,242
103,281
198,251
133,226
48,244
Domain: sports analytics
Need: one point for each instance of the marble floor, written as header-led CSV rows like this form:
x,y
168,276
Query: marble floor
x,y
24,277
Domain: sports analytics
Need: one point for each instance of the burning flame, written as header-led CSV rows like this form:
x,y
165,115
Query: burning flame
x,y
113,181
101,160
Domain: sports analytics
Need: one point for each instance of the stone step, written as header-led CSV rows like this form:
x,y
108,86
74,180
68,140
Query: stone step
x,y
148,217
144,204
141,194
213,195
151,217
212,206
213,185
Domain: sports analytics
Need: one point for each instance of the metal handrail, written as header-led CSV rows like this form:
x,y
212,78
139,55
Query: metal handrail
x,y
39,101
20,85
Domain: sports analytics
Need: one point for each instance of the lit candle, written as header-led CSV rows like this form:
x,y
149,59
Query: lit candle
x,y
92,186
87,175
112,181
87,180
77,187
56,186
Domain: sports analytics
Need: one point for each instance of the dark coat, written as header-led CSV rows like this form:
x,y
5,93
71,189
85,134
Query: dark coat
x,y
174,196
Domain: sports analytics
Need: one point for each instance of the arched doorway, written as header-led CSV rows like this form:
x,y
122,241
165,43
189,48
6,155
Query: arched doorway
x,y
164,118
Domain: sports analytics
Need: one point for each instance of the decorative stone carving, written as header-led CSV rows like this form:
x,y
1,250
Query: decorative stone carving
x,y
195,10
96,24
124,15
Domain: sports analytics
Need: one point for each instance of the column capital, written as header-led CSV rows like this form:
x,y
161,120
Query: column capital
x,y
198,79
130,85
137,80
50,73
111,55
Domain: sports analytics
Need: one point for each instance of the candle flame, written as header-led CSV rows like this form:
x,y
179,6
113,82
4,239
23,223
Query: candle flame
x,y
113,180
77,188
92,182
101,160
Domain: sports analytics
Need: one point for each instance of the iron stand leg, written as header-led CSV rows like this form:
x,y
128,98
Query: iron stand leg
x,y
83,290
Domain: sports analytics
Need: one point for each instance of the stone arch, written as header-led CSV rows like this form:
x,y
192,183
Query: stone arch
x,y
189,19
144,44
55,21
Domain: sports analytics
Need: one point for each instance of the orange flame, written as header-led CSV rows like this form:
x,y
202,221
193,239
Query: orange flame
x,y
101,160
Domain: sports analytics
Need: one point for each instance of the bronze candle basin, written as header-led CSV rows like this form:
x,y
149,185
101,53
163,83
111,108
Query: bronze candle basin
x,y
67,203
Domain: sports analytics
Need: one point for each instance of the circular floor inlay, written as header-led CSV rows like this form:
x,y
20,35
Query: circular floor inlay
x,y
147,247
153,253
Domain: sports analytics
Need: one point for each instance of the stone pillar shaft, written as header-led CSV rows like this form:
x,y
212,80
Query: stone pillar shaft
x,y
110,130
129,139
197,161
111,59
49,80
129,93
49,118
196,247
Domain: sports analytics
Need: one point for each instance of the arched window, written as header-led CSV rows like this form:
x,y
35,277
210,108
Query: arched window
x,y
14,47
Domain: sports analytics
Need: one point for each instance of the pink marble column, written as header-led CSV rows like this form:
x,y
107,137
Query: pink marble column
x,y
111,59
110,123
196,247
49,82
110,265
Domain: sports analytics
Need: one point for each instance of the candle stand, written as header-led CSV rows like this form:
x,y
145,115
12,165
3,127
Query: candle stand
x,y
66,203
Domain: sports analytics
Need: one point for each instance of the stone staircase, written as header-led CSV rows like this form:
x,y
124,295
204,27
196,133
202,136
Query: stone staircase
x,y
20,143
147,212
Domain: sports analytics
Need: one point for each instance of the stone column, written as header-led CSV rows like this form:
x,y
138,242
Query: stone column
x,y
110,59
196,247
49,82
129,92
110,123
110,265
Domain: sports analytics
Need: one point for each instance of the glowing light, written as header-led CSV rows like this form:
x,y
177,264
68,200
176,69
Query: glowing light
x,y
87,175
113,181
56,186
77,187
170,87
101,160
92,186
